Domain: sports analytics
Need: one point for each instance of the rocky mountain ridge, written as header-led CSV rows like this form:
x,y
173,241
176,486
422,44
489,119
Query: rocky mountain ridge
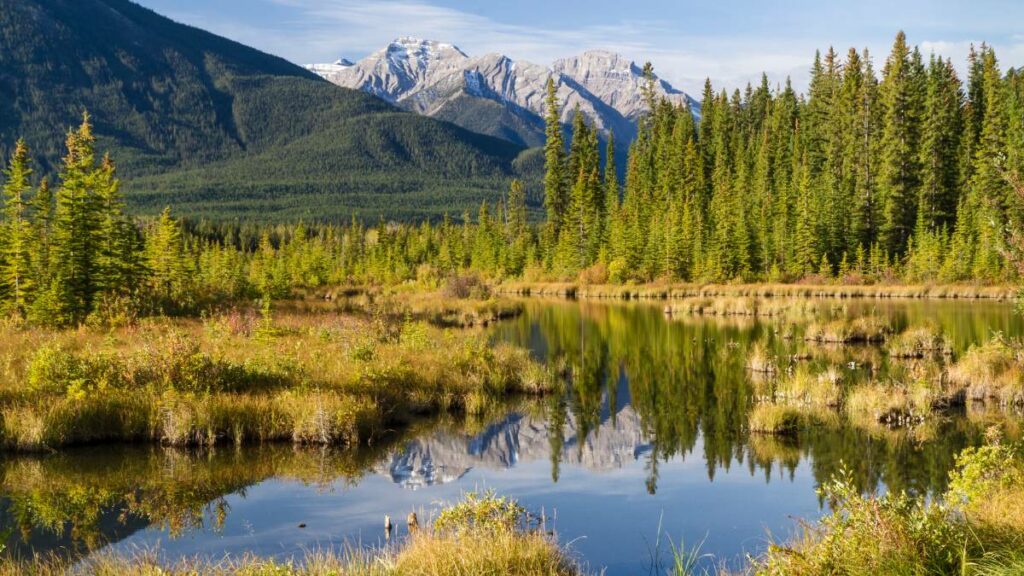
x,y
497,95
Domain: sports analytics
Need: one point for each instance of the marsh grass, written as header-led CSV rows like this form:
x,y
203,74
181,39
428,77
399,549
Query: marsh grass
x,y
458,305
806,387
761,361
919,342
322,378
778,419
892,406
993,371
862,329
788,308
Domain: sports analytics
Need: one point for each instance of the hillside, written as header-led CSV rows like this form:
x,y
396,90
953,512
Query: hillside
x,y
212,127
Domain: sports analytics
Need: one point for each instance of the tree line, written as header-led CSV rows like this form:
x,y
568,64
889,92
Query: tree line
x,y
902,176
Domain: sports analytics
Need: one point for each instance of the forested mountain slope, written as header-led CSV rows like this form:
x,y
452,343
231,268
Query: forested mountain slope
x,y
212,127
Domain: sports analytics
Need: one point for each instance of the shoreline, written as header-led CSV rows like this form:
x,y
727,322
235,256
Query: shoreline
x,y
573,290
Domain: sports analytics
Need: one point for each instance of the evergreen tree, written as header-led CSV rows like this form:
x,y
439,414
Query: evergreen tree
x,y
74,229
16,234
554,164
940,145
990,194
899,176
117,248
166,261
42,207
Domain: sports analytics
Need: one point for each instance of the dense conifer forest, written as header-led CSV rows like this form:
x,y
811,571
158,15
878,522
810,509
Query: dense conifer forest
x,y
899,175
902,176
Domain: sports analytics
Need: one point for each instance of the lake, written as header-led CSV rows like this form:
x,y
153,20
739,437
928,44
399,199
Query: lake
x,y
649,439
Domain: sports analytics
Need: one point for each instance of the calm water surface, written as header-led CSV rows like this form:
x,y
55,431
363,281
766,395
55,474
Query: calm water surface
x,y
651,431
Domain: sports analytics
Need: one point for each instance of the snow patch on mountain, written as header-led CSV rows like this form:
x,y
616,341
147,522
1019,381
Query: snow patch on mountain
x,y
425,76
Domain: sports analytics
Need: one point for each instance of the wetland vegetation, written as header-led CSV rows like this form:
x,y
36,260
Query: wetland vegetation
x,y
236,357
210,395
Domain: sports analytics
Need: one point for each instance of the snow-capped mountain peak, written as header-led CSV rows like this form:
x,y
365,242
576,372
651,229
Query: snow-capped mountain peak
x,y
439,79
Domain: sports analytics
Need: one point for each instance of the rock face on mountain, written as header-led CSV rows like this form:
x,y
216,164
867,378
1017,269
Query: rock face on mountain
x,y
445,457
496,95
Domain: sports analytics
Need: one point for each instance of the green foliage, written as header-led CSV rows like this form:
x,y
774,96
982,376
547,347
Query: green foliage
x,y
481,513
980,471
896,533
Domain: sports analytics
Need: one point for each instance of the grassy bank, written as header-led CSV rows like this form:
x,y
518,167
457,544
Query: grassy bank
x,y
481,535
766,290
976,528
313,378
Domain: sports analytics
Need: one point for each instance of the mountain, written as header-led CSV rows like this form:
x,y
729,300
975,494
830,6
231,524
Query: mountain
x,y
215,128
496,95
445,457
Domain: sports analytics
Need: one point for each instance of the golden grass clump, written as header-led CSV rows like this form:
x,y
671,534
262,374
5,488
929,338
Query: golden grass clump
x,y
992,371
805,387
776,419
976,527
919,342
761,361
863,329
892,406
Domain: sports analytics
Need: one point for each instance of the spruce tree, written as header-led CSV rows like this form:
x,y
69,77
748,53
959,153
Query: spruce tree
x,y
74,229
990,193
899,176
16,234
42,206
940,145
117,246
166,262
862,158
555,199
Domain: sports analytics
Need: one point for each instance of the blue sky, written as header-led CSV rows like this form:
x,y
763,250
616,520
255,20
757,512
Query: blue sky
x,y
731,42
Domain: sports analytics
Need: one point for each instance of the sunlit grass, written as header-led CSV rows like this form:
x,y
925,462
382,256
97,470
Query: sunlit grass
x,y
862,329
976,528
919,342
322,378
992,371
